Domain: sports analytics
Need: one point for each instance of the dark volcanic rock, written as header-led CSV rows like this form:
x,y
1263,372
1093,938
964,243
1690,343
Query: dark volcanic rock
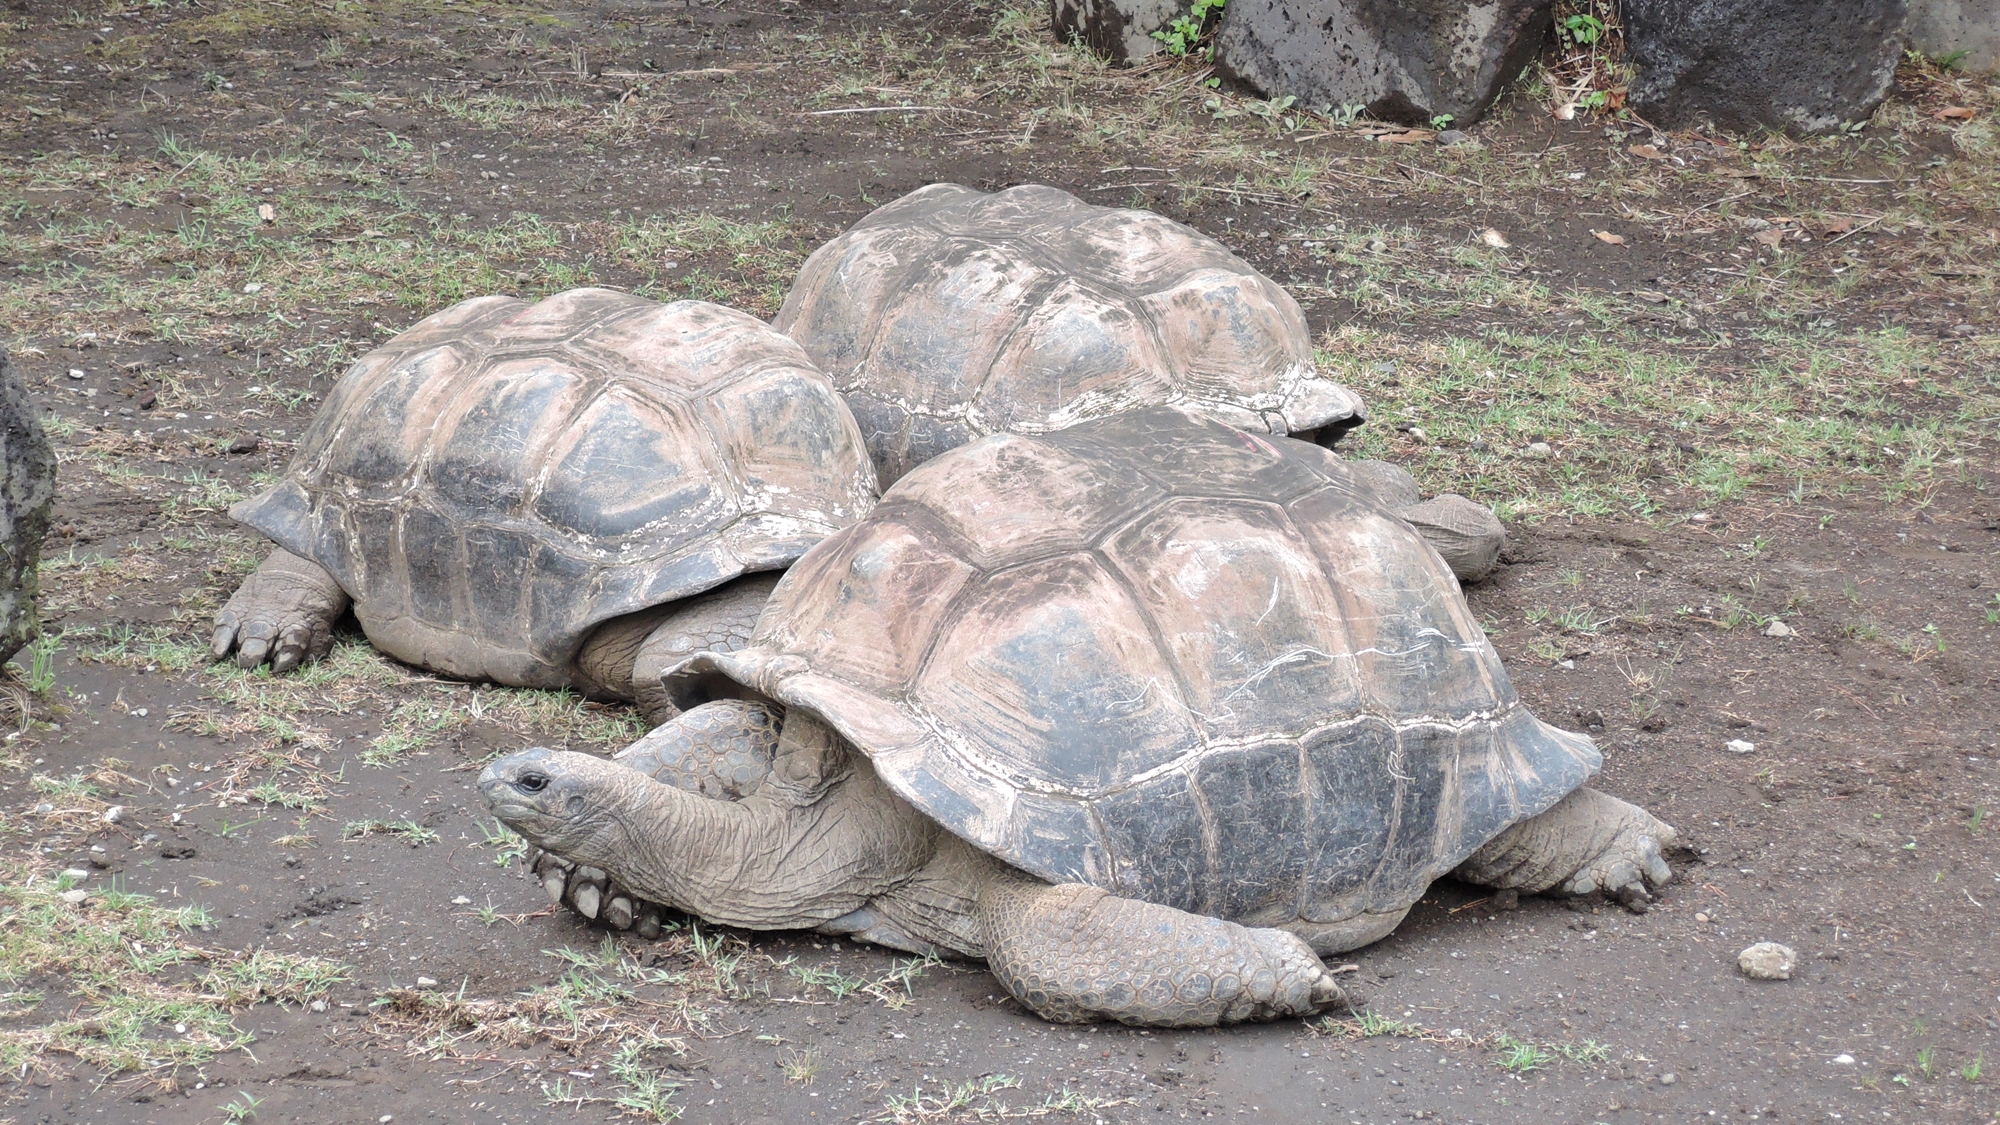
x,y
1805,66
1121,30
1407,61
26,492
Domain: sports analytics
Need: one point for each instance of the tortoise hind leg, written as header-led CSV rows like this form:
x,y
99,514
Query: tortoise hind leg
x,y
284,612
624,657
1074,953
721,750
1590,841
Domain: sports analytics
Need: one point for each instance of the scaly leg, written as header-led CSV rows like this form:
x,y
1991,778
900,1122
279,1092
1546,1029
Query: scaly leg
x,y
721,750
1590,841
1074,953
284,611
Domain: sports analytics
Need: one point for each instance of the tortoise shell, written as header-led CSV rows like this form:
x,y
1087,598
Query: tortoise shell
x,y
1187,664
499,479
951,314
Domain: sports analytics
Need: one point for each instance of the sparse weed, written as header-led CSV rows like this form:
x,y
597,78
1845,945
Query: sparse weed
x,y
1518,1056
409,830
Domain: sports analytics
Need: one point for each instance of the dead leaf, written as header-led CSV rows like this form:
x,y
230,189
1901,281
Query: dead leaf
x,y
1650,297
1957,113
1607,236
1836,226
1647,151
1564,112
1414,136
1769,237
267,212
1740,173
1494,239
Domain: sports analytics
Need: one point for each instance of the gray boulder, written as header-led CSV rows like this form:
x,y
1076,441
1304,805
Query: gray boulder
x,y
1803,66
1120,30
1968,28
1408,61
26,493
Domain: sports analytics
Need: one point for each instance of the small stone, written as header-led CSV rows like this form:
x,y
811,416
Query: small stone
x,y
1701,917
114,814
1843,1060
1779,629
1507,899
461,900
1964,330
1669,1078
76,874
426,982
1569,664
245,443
1767,960
1451,137
1540,451
254,287
76,372
75,897
44,809
1738,746
175,819
1376,246
318,1005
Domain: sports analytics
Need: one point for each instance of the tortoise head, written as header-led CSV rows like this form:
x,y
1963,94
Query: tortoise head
x,y
568,803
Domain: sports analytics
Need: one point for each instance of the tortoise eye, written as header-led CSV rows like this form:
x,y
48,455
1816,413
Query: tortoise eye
x,y
533,782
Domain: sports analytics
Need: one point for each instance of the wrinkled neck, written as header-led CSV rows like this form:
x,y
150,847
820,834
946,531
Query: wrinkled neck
x,y
791,856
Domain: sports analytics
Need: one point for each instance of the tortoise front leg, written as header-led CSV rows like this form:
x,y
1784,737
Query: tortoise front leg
x,y
284,612
1074,953
720,750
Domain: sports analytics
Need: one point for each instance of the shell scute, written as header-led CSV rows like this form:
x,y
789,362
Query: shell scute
x,y
876,621
630,464
1245,611
1055,655
936,344
1137,251
1022,499
1080,354
485,453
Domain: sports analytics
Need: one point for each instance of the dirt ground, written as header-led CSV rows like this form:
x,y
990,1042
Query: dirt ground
x,y
1745,444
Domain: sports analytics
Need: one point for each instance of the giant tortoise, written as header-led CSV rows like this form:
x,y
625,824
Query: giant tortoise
x,y
1146,713
535,493
950,314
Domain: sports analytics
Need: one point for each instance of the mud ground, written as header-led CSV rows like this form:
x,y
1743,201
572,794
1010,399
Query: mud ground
x,y
1858,830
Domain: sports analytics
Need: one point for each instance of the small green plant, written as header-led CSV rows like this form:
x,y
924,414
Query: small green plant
x,y
42,664
1971,1071
1993,611
1580,29
800,1066
497,835
1182,36
1518,1056
1926,1061
1978,820
1442,121
409,830
239,1111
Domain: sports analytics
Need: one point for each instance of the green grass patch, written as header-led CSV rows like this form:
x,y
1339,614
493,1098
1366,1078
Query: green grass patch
x,y
137,992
